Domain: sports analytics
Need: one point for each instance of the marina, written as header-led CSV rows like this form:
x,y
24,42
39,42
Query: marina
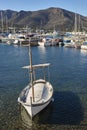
x,y
69,80
54,38
43,63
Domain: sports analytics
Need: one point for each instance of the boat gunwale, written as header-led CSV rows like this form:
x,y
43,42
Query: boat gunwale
x,y
34,105
38,103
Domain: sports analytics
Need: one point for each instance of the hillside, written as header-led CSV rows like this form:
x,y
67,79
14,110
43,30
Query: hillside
x,y
63,20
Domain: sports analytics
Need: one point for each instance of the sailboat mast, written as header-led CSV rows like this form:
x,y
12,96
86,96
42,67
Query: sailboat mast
x,y
79,22
75,23
2,21
31,70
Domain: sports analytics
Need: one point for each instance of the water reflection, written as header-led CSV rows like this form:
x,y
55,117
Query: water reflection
x,y
42,49
26,122
42,118
83,52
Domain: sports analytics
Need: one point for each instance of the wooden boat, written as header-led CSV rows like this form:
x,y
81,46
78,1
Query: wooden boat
x,y
38,93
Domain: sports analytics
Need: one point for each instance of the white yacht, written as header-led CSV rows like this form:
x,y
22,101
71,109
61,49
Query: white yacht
x,y
84,45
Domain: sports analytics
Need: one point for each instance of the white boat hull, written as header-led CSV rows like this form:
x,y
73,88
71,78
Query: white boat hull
x,y
43,93
33,110
84,47
41,43
44,43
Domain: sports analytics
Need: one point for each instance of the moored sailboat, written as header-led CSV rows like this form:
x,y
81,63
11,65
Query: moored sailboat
x,y
38,93
84,45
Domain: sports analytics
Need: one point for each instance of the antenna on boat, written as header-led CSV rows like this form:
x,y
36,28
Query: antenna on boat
x,y
31,69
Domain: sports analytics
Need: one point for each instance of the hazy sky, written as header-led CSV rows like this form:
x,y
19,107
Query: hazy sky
x,y
78,6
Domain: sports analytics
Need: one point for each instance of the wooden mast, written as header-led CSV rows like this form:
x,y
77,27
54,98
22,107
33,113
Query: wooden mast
x,y
31,70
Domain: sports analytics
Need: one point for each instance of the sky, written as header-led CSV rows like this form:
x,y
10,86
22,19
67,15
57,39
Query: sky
x,y
77,6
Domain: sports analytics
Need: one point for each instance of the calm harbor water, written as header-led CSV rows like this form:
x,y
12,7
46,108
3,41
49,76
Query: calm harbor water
x,y
69,79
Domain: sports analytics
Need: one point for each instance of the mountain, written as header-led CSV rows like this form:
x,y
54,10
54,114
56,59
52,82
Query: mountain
x,y
61,19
